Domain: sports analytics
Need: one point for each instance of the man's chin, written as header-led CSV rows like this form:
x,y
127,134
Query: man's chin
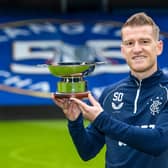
x,y
139,69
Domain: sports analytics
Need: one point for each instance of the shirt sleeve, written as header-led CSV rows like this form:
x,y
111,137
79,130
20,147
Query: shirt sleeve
x,y
88,141
151,141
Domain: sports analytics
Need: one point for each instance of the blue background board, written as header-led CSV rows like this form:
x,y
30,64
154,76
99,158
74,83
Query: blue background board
x,y
29,39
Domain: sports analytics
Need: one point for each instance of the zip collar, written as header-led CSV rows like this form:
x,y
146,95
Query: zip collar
x,y
147,82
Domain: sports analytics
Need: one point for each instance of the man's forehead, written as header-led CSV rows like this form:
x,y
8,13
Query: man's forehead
x,y
137,27
137,31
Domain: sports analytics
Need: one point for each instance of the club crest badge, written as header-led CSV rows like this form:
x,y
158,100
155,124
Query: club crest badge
x,y
155,106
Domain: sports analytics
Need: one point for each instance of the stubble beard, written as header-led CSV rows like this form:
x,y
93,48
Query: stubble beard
x,y
143,70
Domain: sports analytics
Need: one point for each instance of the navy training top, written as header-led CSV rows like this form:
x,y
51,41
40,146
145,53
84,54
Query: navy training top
x,y
133,125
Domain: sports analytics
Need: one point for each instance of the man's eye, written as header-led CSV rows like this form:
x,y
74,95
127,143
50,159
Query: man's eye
x,y
145,42
128,43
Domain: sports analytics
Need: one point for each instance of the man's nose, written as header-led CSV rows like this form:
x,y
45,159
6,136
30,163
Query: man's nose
x,y
137,47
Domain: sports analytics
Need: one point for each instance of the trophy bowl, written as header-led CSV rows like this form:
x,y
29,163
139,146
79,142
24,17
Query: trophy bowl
x,y
71,74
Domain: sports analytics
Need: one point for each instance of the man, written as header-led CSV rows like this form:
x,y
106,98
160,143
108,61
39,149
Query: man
x,y
131,117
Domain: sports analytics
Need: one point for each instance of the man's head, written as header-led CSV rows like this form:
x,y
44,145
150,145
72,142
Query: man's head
x,y
142,19
141,45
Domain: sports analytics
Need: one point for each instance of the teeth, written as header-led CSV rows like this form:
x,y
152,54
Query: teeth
x,y
138,57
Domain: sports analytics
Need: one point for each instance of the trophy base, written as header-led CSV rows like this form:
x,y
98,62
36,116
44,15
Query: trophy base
x,y
80,95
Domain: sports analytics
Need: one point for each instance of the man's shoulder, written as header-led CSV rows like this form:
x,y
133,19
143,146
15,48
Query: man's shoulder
x,y
115,86
164,79
119,83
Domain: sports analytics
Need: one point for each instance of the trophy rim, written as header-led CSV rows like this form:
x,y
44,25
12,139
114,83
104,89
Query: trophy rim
x,y
72,63
75,63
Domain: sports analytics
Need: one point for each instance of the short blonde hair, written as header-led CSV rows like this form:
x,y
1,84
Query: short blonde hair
x,y
142,19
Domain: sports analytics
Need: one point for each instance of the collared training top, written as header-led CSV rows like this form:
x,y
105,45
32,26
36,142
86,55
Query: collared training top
x,y
133,125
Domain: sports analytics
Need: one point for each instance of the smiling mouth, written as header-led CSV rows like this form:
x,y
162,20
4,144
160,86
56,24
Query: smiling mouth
x,y
137,58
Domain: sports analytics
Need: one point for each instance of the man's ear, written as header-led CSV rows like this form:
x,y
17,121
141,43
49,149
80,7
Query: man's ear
x,y
122,50
160,47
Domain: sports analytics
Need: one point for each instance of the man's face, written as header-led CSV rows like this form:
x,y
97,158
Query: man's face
x,y
140,48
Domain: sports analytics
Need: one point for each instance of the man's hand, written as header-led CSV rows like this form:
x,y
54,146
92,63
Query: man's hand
x,y
89,112
70,108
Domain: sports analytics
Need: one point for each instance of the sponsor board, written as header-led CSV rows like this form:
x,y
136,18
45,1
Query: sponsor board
x,y
27,43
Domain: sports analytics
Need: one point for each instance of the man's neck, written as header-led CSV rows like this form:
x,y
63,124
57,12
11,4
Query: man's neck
x,y
142,75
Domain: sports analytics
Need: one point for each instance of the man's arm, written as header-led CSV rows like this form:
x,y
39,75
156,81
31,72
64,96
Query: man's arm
x,y
88,141
151,141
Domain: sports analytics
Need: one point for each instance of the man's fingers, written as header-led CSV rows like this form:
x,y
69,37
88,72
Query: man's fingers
x,y
79,102
84,105
92,100
62,103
